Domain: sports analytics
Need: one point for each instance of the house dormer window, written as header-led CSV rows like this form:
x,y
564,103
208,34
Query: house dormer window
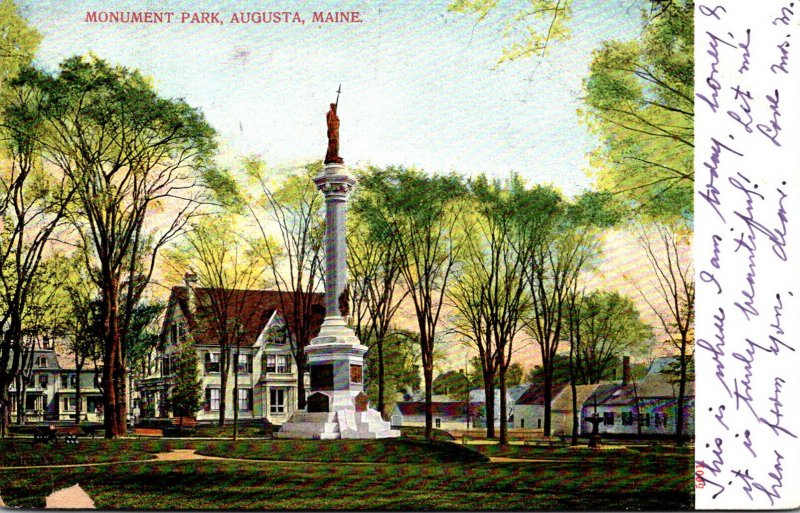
x,y
278,363
42,362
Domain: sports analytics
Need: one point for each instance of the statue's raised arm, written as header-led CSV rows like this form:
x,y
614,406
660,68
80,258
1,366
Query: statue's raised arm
x,y
332,155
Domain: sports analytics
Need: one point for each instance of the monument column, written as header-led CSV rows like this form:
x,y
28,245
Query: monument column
x,y
337,406
336,185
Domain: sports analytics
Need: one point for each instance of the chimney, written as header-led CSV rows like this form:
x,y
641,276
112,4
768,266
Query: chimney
x,y
190,279
626,370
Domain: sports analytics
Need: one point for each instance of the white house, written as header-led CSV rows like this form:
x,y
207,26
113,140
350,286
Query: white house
x,y
50,389
267,373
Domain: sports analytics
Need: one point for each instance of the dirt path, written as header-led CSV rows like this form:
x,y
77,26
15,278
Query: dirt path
x,y
69,498
188,454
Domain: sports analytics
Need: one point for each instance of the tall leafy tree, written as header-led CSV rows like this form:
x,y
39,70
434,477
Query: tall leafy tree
x,y
570,246
422,215
374,265
224,268
490,295
639,94
18,43
667,248
185,393
131,156
400,368
289,209
606,326
33,201
640,102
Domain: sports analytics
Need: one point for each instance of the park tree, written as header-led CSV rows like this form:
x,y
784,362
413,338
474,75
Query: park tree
x,y
514,374
224,271
143,335
42,324
290,206
374,266
400,371
422,215
185,393
604,326
452,383
570,247
33,201
18,43
640,103
490,295
140,167
638,97
667,247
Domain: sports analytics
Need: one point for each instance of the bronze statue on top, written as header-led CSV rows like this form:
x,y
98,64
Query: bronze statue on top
x,y
332,155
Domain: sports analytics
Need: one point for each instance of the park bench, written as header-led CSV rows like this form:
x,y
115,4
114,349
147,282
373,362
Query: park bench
x,y
545,441
186,422
70,433
147,432
47,434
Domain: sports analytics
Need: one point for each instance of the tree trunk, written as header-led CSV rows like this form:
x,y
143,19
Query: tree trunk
x,y
548,394
427,371
381,378
78,369
574,388
488,389
121,383
22,389
236,393
224,359
503,409
681,393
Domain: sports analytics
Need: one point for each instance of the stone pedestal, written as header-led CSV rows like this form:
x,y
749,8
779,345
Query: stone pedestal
x,y
336,406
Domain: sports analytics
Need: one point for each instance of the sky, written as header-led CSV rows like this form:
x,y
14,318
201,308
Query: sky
x,y
419,85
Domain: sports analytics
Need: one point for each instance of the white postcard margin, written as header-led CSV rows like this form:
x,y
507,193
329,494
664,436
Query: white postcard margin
x,y
747,254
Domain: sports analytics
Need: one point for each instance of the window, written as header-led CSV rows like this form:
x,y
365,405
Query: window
x,y
522,423
43,380
660,419
73,380
212,362
244,363
245,399
278,363
165,366
64,382
608,418
627,418
69,404
277,400
644,419
42,361
212,399
438,423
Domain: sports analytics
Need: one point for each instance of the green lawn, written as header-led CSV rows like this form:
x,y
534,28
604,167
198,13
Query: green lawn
x,y
600,481
397,450
582,452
